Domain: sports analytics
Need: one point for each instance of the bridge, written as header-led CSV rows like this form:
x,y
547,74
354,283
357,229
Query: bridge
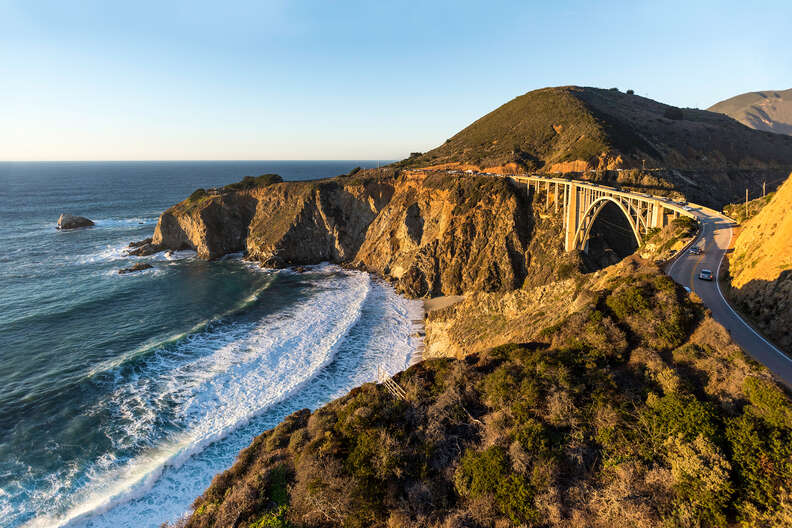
x,y
580,203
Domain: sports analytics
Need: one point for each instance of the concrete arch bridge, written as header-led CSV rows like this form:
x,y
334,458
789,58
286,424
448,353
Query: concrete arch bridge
x,y
581,202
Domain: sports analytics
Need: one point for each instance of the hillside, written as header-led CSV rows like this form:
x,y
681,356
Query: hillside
x,y
761,268
707,156
430,234
770,111
650,417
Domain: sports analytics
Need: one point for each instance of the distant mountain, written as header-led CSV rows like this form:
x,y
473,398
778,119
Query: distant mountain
x,y
705,155
770,111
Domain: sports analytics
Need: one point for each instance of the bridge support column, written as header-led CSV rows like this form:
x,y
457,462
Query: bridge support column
x,y
555,197
547,193
657,216
572,218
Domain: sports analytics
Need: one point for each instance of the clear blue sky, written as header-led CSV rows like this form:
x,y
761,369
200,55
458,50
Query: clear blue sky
x,y
85,80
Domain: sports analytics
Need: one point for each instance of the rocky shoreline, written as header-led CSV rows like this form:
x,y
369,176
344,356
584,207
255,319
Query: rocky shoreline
x,y
428,234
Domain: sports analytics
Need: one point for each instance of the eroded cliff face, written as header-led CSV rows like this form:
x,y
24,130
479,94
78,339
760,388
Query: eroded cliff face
x,y
431,234
761,268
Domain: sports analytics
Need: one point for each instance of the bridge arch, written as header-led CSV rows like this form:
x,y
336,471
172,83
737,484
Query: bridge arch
x,y
634,219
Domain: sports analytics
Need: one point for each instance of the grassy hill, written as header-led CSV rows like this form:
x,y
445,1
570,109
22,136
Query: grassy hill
x,y
648,417
704,155
770,111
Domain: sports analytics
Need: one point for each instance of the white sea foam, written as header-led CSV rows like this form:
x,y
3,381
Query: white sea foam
x,y
108,253
215,382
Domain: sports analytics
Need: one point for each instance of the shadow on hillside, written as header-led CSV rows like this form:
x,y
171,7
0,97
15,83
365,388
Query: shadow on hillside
x,y
766,304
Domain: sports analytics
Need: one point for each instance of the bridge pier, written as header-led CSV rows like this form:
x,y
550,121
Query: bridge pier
x,y
572,216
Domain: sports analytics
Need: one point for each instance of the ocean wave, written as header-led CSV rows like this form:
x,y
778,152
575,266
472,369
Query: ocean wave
x,y
209,385
108,253
196,329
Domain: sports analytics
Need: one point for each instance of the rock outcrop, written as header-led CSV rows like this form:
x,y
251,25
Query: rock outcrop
x,y
140,266
67,221
761,268
431,234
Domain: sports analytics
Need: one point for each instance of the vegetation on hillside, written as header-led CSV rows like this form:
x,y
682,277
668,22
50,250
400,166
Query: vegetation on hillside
x,y
634,410
662,244
741,213
251,182
573,128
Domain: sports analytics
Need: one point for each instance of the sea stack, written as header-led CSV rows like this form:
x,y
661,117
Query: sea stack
x,y
67,221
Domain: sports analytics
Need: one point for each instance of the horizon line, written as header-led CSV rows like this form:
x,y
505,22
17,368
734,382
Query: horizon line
x,y
195,160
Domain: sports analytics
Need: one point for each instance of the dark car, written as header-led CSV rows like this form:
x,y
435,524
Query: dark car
x,y
695,250
705,274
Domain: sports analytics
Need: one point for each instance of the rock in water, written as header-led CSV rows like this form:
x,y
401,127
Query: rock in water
x,y
67,221
143,248
140,266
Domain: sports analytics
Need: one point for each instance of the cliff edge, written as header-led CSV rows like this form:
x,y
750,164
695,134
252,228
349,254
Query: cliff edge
x,y
430,234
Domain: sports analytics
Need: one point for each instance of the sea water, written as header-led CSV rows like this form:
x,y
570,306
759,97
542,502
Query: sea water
x,y
121,396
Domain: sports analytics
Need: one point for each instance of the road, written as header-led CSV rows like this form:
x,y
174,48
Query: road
x,y
714,240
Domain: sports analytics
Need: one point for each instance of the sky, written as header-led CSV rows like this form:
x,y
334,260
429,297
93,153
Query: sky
x,y
260,80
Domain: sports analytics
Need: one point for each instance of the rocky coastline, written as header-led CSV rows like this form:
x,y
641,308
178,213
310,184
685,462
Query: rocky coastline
x,y
428,234
541,392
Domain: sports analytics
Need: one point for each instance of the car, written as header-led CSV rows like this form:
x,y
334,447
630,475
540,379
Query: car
x,y
695,250
686,289
705,274
687,208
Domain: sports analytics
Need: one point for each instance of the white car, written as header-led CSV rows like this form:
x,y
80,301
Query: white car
x,y
705,274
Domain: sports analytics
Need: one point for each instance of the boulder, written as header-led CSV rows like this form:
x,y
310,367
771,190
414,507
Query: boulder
x,y
140,266
143,248
67,221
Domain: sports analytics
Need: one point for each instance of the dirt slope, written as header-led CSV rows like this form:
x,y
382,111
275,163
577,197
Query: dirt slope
x,y
761,268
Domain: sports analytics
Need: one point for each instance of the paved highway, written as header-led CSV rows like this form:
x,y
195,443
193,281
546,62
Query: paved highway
x,y
714,240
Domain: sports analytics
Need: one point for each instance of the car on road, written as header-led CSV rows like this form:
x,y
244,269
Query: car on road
x,y
687,208
695,250
705,274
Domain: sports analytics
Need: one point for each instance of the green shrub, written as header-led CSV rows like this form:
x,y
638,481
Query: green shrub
x,y
701,482
196,195
278,484
685,222
533,436
675,415
273,519
502,386
251,182
488,472
761,456
768,402
628,300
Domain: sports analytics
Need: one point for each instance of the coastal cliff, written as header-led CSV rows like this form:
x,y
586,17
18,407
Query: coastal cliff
x,y
548,397
430,234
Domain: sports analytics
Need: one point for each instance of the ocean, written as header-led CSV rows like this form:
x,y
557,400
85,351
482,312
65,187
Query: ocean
x,y
121,396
